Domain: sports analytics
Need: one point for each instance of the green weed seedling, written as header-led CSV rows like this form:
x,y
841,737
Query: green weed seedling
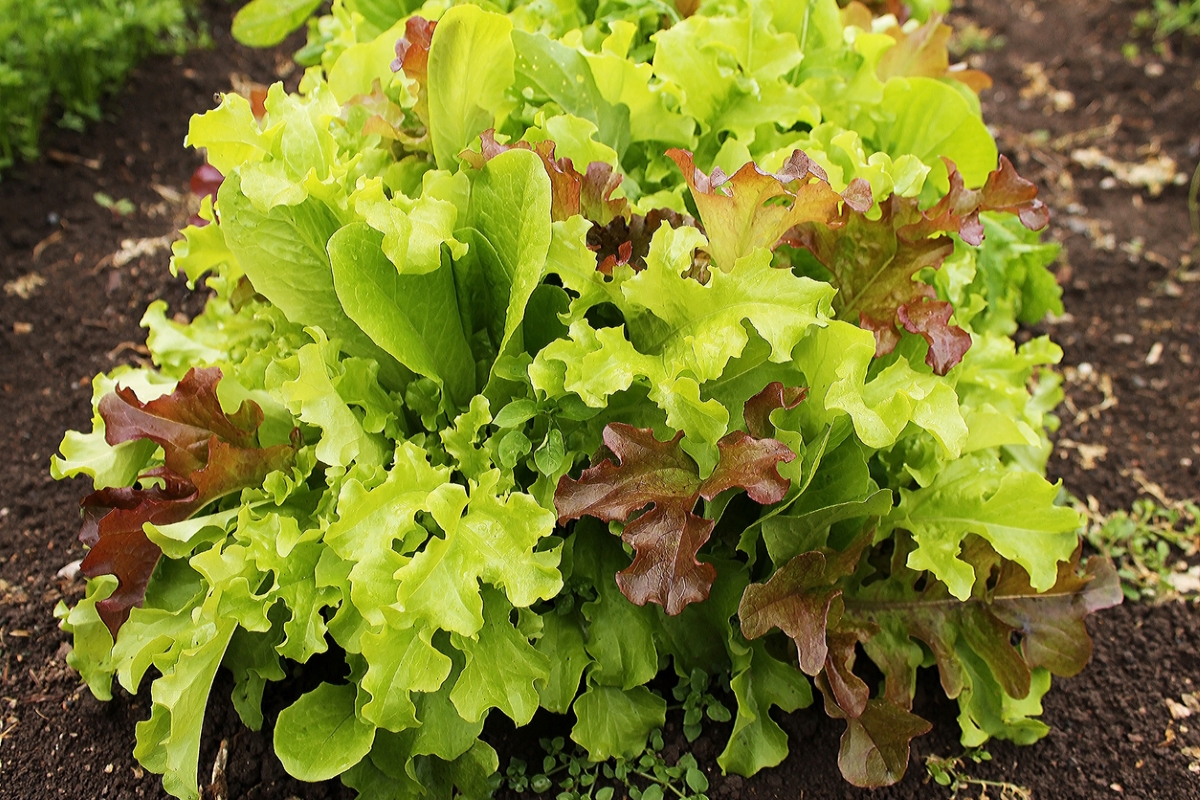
x,y
122,207
697,703
1146,542
647,777
948,772
1167,17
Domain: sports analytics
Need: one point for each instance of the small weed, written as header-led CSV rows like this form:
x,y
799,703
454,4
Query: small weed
x,y
122,207
972,38
649,777
948,772
1146,543
692,692
1168,17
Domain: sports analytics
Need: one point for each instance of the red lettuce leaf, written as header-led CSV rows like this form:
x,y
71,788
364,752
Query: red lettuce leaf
x,y
661,476
830,606
758,408
588,193
930,319
874,263
622,241
206,180
665,569
754,209
412,56
796,600
875,746
208,454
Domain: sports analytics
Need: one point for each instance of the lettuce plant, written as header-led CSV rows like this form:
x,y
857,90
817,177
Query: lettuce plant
x,y
550,350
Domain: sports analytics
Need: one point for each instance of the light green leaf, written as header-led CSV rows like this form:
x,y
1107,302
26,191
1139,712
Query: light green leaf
x,y
371,520
929,119
413,230
493,541
312,398
700,327
296,236
615,723
266,23
399,661
836,359
1012,508
502,667
361,64
759,682
319,736
92,644
510,208
169,742
562,642
470,68
414,317
230,134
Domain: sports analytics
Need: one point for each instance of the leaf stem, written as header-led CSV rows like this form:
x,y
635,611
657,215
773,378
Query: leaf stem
x,y
662,783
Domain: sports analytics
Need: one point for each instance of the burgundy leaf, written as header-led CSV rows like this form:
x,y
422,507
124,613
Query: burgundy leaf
x,y
796,600
208,455
595,198
412,56
750,464
181,422
875,263
1053,633
571,192
665,569
635,471
206,180
846,694
858,195
621,236
876,743
928,318
758,408
650,472
621,258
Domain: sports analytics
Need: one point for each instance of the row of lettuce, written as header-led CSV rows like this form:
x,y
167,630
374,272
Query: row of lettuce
x,y
63,57
757,268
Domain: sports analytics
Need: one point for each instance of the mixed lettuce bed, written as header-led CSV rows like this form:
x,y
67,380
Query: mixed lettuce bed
x,y
552,350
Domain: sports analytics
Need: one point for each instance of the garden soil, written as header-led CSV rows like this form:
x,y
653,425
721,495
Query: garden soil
x,y
77,277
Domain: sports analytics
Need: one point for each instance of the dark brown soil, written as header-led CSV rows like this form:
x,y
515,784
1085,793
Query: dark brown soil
x,y
1113,735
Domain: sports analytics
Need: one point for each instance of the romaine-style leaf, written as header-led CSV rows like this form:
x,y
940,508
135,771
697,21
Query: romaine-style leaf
x,y
470,65
414,318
